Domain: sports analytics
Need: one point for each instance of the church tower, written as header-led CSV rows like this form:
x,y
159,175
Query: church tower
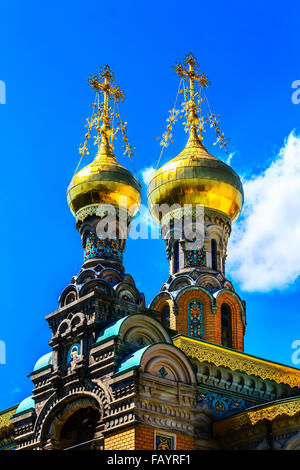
x,y
195,197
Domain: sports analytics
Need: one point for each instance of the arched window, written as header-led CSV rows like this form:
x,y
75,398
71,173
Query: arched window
x,y
165,316
176,257
195,319
214,260
226,326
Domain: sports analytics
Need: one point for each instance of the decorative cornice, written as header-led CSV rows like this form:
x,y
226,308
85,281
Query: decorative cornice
x,y
235,360
5,416
250,418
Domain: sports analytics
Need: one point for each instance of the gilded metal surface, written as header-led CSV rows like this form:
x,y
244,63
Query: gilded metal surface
x,y
289,407
196,177
235,360
104,181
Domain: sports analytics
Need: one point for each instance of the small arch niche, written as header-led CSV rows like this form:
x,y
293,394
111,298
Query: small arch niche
x,y
226,326
214,254
165,316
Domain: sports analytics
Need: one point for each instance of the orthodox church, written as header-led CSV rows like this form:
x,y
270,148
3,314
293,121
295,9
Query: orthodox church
x,y
173,375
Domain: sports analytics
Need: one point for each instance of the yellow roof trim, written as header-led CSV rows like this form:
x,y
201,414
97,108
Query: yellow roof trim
x,y
235,360
287,407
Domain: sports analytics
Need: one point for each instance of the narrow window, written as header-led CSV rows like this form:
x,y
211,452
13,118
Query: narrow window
x,y
214,263
165,316
226,326
176,257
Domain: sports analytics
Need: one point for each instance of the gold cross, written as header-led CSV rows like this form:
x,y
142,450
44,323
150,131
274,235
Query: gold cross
x,y
104,83
189,70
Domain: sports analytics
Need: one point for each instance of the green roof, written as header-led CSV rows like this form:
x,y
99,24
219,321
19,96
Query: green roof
x,y
44,361
26,405
132,361
111,330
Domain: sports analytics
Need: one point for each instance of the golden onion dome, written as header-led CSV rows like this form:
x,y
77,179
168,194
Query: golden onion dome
x,y
104,181
196,177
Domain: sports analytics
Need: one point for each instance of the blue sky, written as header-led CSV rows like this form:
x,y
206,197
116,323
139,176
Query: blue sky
x,y
249,50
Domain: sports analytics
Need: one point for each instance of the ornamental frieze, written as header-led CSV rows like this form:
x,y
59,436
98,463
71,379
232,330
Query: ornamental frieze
x,y
250,418
235,360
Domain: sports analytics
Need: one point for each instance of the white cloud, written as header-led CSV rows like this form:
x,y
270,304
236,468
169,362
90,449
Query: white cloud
x,y
147,174
229,158
264,250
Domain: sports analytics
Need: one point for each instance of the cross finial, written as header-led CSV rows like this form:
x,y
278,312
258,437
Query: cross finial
x,y
104,84
189,70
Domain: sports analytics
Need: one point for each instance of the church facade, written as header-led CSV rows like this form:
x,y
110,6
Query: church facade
x,y
173,375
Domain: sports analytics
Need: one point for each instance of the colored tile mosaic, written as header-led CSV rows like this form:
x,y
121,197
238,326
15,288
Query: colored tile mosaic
x,y
195,319
223,405
104,248
194,258
163,371
163,443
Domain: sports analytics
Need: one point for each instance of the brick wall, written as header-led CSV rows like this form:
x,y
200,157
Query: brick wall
x,y
121,440
141,437
144,438
184,442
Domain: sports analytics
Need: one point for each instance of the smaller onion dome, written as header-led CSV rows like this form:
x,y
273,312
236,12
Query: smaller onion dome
x,y
26,405
104,181
196,177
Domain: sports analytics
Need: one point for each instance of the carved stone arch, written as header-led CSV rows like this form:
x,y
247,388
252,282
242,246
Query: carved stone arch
x,y
110,275
214,231
203,370
180,282
208,281
64,327
65,297
67,410
54,404
78,319
228,285
123,289
169,362
204,293
143,326
129,279
97,284
85,276
293,443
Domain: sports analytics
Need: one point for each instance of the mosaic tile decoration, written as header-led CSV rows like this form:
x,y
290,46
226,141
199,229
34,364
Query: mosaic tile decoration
x,y
95,247
194,258
163,371
223,405
195,319
163,443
